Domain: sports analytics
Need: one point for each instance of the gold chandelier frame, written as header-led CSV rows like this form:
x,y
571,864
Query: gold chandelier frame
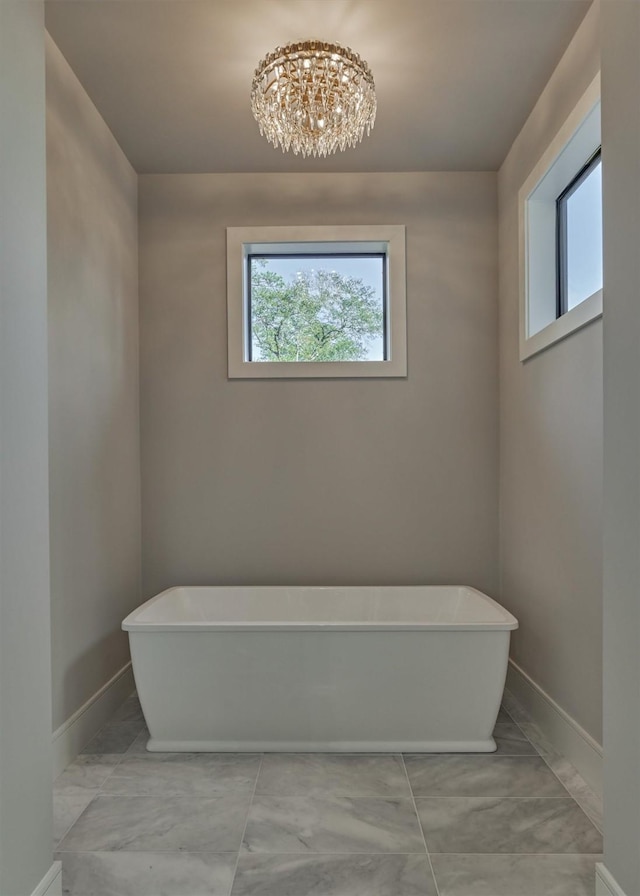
x,y
313,97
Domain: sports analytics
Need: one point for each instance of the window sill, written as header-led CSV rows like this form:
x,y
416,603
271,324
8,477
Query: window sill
x,y
317,370
563,327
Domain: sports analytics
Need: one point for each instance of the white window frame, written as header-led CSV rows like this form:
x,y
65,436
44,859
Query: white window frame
x,y
575,142
388,239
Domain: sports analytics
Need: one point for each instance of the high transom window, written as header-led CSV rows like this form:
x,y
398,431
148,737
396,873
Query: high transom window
x,y
579,232
560,212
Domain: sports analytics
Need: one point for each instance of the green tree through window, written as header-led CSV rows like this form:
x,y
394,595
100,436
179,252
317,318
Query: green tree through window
x,y
314,315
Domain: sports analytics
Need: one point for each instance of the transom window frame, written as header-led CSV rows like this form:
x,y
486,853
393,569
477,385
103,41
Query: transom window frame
x,y
388,240
574,144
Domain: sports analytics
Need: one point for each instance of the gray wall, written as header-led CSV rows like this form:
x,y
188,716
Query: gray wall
x,y
351,481
93,391
551,446
621,192
25,676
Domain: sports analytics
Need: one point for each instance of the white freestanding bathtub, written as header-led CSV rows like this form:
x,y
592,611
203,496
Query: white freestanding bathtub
x,y
366,669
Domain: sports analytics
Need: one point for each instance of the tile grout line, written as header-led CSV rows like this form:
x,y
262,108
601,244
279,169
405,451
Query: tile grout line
x,y
520,729
544,758
246,822
530,855
523,733
567,795
302,855
107,725
424,839
488,796
57,843
264,855
118,763
95,791
571,795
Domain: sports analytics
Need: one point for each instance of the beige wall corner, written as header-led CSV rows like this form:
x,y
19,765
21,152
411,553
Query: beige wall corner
x,y
93,392
551,410
25,657
621,194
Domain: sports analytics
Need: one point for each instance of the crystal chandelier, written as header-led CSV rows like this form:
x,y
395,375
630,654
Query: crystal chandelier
x,y
313,97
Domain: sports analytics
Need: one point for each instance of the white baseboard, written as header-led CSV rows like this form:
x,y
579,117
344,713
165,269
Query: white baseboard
x,y
605,882
51,883
69,739
560,729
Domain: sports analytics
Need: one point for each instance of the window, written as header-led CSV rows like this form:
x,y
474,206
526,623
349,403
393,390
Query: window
x,y
579,236
316,301
317,307
560,211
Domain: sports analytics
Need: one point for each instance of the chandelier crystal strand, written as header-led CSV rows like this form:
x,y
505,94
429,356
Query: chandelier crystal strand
x,y
313,97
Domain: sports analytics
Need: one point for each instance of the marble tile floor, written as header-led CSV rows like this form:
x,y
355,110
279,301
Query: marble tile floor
x,y
132,823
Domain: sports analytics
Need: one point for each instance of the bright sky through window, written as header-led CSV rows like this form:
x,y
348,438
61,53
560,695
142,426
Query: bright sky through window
x,y
584,239
340,315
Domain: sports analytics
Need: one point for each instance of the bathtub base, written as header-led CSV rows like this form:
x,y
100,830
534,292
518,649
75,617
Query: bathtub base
x,y
292,746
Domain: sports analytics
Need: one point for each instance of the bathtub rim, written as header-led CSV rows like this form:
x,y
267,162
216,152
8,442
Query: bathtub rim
x,y
133,624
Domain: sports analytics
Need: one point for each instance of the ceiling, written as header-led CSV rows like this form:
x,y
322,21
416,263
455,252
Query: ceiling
x,y
455,79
